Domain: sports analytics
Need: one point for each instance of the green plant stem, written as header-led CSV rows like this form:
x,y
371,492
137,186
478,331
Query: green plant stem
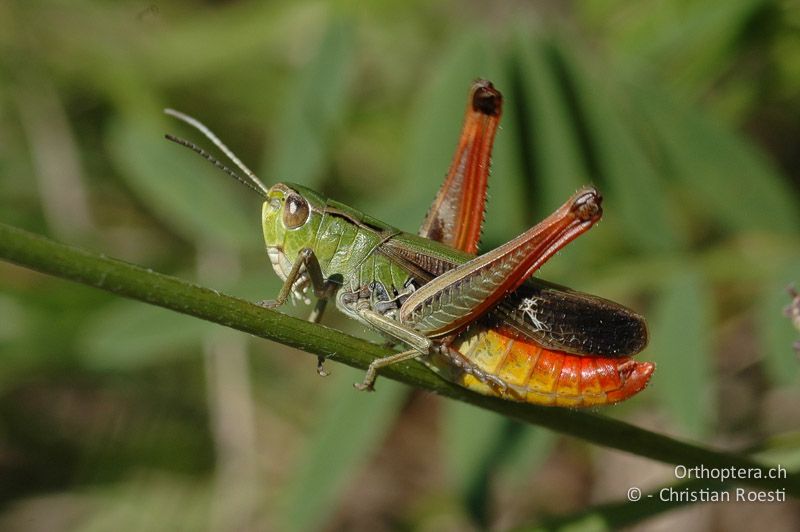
x,y
135,282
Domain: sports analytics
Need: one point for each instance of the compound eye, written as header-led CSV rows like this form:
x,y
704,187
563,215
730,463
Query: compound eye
x,y
296,211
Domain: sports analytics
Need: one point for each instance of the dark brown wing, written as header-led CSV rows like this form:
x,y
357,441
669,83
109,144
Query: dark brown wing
x,y
567,320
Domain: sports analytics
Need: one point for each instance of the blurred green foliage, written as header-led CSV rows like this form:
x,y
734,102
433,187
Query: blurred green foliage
x,y
114,415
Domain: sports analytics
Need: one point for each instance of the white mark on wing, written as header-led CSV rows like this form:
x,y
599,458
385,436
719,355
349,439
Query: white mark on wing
x,y
529,308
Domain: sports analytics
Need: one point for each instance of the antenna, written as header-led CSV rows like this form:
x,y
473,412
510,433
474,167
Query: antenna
x,y
213,160
252,180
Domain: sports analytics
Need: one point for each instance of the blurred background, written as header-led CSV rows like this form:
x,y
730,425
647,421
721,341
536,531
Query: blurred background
x,y
115,415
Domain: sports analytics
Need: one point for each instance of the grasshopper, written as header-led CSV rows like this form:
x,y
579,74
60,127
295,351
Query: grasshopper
x,y
480,321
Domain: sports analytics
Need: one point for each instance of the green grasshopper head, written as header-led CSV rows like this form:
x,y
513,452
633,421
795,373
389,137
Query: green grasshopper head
x,y
290,217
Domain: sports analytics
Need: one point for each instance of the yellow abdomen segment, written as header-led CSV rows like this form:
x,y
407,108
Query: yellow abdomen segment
x,y
534,374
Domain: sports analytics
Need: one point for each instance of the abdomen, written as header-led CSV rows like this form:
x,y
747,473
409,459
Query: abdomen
x,y
534,374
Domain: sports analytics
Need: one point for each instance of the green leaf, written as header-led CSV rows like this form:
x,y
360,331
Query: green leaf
x,y
508,209
254,35
126,335
693,43
478,443
681,347
527,454
469,434
553,147
481,448
726,178
315,109
351,425
471,438
632,185
184,191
